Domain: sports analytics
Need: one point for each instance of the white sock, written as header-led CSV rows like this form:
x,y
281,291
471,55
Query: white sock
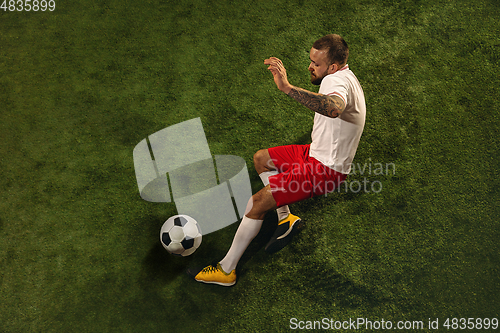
x,y
265,176
247,231
282,211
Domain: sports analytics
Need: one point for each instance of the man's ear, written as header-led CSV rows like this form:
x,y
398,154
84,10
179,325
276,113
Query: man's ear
x,y
333,68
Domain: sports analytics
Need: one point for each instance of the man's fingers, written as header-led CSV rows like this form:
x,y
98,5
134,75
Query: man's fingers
x,y
273,71
272,60
275,67
275,64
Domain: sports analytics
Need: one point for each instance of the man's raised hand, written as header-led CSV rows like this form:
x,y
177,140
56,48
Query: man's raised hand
x,y
279,73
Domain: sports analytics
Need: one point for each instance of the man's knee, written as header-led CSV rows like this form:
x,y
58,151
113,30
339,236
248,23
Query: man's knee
x,y
262,161
260,203
258,157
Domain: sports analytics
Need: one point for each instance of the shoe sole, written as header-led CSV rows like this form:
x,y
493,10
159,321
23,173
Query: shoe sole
x,y
229,284
289,229
280,242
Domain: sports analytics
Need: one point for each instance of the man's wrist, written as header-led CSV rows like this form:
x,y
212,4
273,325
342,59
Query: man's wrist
x,y
287,88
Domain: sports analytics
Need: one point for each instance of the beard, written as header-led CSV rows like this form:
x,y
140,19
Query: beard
x,y
316,80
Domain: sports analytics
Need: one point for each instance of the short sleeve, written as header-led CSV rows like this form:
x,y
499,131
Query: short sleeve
x,y
334,85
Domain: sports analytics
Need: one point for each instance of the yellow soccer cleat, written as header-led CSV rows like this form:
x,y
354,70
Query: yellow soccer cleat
x,y
286,229
215,274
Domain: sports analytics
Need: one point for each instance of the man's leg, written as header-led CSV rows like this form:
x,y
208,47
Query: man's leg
x,y
265,168
250,225
288,224
224,273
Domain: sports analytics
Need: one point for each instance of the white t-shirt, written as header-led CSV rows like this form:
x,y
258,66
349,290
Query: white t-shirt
x,y
335,140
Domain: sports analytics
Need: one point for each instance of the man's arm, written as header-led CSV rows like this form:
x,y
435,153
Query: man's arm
x,y
330,106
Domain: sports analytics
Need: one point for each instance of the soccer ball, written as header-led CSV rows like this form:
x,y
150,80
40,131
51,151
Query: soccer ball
x,y
180,235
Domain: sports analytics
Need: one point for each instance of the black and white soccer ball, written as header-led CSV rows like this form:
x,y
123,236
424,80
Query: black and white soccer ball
x,y
180,235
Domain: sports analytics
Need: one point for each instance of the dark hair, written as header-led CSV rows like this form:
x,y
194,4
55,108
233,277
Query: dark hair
x,y
338,51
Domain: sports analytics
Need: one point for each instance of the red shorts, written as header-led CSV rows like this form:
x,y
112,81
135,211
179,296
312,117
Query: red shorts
x,y
300,175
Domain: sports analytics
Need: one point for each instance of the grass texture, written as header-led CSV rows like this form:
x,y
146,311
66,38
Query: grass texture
x,y
82,85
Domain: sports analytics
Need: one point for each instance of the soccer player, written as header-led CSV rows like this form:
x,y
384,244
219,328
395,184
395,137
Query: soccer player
x,y
296,172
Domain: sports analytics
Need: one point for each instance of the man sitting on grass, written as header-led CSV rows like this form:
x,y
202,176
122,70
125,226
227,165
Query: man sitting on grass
x,y
296,172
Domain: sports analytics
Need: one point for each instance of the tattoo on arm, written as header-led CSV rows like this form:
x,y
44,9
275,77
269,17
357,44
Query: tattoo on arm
x,y
330,106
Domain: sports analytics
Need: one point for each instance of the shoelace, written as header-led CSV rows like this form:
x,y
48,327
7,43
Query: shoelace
x,y
210,269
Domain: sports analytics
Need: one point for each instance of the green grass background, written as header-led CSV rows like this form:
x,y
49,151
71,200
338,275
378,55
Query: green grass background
x,y
82,85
